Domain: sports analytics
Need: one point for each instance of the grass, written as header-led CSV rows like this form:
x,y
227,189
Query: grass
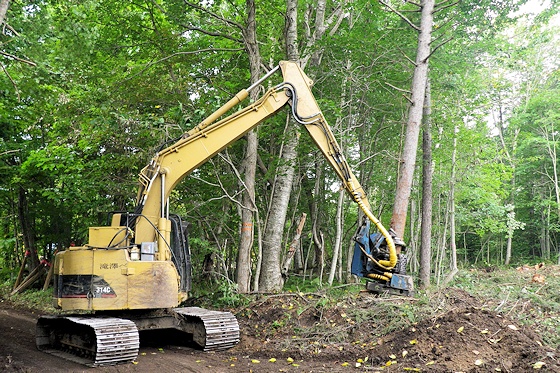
x,y
514,293
503,290
35,299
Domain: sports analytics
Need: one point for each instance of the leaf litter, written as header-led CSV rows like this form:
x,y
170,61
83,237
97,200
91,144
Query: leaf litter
x,y
462,336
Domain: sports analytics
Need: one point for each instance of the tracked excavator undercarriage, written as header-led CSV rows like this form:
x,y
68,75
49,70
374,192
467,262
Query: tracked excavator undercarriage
x,y
107,340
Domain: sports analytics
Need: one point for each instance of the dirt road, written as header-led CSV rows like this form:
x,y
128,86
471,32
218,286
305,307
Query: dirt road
x,y
278,334
19,354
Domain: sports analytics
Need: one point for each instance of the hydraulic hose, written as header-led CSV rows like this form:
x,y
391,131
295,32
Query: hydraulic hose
x,y
385,264
385,276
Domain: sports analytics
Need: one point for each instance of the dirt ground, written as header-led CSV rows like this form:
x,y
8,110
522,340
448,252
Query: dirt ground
x,y
295,333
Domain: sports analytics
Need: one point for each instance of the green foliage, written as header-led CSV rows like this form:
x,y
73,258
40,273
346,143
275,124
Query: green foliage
x,y
33,299
229,297
114,81
7,272
221,293
513,293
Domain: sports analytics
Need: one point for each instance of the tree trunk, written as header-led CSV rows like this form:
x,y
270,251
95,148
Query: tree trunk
x,y
408,159
452,242
442,238
551,145
250,160
271,278
510,156
248,205
4,4
337,249
317,196
293,246
27,228
427,174
256,278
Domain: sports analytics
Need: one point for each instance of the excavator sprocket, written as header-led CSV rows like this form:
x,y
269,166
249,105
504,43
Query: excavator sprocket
x,y
211,330
92,341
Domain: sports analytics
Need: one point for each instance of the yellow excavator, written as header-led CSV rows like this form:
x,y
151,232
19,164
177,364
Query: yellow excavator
x,y
134,274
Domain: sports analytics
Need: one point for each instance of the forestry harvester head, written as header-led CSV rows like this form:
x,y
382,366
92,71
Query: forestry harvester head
x,y
370,261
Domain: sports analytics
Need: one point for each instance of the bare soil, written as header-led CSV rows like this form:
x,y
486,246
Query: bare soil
x,y
307,333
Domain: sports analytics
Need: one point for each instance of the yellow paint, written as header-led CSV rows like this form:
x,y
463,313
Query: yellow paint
x,y
137,284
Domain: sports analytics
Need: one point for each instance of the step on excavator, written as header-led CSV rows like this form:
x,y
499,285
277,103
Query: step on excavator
x,y
133,274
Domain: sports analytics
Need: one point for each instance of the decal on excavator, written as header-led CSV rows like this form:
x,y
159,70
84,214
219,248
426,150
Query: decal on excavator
x,y
109,266
82,286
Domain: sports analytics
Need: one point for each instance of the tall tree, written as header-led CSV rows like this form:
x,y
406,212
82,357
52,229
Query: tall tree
x,y
410,146
452,227
270,277
248,204
427,199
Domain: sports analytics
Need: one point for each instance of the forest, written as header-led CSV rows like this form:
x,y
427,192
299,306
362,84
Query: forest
x,y
92,89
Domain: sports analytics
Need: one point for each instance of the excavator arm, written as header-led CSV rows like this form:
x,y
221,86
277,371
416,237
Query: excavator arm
x,y
136,262
211,136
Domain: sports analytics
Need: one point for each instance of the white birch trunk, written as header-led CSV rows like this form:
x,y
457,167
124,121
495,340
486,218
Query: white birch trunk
x,y
452,242
270,276
337,249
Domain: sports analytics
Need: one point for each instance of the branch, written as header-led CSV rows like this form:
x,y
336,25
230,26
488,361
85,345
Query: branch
x,y
18,58
402,90
202,9
441,3
221,186
186,53
410,10
436,48
199,51
10,151
436,9
337,14
408,99
11,80
227,159
204,181
375,155
408,58
398,89
418,5
210,33
263,169
307,27
11,29
341,16
320,29
400,15
432,42
442,26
